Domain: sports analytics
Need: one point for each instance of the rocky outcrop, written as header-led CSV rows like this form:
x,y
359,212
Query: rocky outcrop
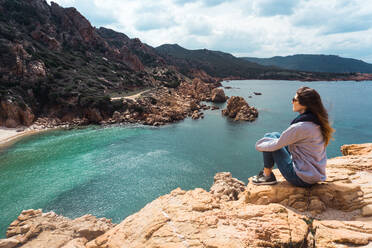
x,y
42,37
226,188
196,219
33,228
197,73
340,196
164,105
238,109
12,115
334,213
356,149
218,95
197,90
197,115
361,77
156,106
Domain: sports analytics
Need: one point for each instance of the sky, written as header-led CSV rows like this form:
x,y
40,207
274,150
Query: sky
x,y
253,28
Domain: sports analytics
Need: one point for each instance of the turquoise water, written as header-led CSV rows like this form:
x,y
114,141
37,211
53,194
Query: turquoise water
x,y
115,171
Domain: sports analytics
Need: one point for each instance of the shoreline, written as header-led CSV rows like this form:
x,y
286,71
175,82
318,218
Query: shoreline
x,y
9,136
342,217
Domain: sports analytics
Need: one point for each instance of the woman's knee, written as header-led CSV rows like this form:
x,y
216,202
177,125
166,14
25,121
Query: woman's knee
x,y
272,135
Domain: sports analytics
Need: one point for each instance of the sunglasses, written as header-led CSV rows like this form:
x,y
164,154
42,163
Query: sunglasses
x,y
294,99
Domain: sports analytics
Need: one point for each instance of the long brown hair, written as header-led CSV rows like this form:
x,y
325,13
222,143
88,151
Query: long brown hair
x,y
310,98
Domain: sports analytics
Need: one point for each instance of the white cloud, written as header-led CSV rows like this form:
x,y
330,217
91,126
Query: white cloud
x,y
334,16
275,7
261,28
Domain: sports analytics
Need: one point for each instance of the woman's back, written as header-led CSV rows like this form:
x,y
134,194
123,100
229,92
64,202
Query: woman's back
x,y
309,152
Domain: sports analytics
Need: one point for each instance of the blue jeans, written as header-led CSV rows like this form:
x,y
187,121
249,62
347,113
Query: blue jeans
x,y
282,159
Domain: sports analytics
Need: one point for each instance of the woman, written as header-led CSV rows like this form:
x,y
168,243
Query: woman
x,y
300,151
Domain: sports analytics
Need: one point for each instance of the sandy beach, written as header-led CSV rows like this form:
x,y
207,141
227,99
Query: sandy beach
x,y
9,135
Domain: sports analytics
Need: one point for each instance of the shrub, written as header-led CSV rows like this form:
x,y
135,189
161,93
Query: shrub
x,y
58,75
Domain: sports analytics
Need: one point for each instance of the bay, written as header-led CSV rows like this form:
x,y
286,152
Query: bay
x,y
115,171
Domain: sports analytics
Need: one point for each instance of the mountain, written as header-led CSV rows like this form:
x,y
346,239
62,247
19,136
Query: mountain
x,y
218,64
315,63
226,66
55,63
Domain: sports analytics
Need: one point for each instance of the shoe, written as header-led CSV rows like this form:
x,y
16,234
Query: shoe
x,y
261,179
259,175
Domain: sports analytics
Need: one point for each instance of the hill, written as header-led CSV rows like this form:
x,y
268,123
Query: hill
x,y
216,63
315,63
54,63
226,66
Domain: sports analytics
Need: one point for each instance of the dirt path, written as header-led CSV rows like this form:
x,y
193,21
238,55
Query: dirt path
x,y
133,97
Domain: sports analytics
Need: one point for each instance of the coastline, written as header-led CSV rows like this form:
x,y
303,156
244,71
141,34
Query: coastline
x,y
333,213
8,136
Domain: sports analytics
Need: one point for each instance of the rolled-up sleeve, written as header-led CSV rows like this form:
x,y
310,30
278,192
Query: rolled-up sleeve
x,y
292,134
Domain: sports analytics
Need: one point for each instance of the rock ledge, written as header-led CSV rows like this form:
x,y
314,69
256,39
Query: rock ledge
x,y
335,213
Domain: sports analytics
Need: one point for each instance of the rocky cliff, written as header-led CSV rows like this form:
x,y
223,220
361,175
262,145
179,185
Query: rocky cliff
x,y
334,213
55,64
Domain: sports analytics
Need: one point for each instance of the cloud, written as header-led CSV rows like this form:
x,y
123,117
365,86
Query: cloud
x,y
275,7
155,15
97,16
202,2
334,17
151,21
199,26
261,28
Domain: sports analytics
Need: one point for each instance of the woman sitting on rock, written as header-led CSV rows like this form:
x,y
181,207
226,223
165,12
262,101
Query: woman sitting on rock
x,y
300,151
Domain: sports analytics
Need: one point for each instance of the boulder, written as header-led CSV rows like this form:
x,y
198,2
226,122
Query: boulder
x,y
238,109
33,228
356,149
218,95
341,196
93,115
331,233
8,243
197,115
225,187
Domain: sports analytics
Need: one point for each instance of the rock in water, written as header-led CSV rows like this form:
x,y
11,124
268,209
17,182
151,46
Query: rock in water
x,y
197,115
239,109
218,95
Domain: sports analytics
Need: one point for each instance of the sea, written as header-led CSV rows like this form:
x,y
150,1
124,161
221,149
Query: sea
x,y
115,171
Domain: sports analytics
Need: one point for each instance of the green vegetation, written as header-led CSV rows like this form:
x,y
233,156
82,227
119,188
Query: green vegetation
x,y
315,63
77,75
215,63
